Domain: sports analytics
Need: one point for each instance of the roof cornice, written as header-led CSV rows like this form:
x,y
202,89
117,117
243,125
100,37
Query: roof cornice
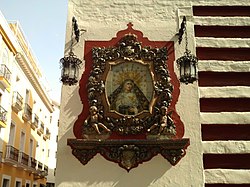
x,y
34,81
7,40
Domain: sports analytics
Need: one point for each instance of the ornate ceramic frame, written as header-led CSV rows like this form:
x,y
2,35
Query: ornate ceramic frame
x,y
129,128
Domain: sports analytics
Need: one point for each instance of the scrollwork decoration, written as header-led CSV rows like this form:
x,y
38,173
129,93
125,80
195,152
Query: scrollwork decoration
x,y
129,50
128,154
146,125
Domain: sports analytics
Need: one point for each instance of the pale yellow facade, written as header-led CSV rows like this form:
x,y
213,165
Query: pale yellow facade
x,y
26,115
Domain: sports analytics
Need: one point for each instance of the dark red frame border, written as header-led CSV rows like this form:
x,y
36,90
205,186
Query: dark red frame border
x,y
77,129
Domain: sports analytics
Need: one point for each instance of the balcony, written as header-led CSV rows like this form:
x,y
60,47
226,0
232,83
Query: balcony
x,y
32,163
45,170
41,129
46,135
17,103
1,156
40,171
3,117
27,113
35,122
39,166
5,76
23,160
12,155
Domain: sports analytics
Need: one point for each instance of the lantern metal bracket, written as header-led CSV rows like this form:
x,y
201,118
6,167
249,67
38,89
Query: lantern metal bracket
x,y
70,63
187,63
76,29
182,29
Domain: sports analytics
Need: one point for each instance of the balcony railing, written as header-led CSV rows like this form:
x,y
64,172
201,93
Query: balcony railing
x,y
1,156
24,158
47,134
46,170
3,116
11,154
27,113
5,73
35,121
33,162
47,131
41,129
39,166
17,103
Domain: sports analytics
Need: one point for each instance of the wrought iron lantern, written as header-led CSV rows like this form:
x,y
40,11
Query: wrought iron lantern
x,y
70,63
188,63
70,69
188,67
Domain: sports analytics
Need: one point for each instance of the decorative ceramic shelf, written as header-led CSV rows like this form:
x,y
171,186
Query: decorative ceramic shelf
x,y
128,153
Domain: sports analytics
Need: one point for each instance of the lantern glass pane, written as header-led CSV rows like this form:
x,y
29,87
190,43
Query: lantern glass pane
x,y
72,71
187,67
65,71
193,70
76,72
182,69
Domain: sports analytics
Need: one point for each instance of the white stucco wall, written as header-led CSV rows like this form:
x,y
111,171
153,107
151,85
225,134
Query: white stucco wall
x,y
159,21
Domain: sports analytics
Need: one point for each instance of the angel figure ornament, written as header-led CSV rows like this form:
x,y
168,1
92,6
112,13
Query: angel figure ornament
x,y
93,120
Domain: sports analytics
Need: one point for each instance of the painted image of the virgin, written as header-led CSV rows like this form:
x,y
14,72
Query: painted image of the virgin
x,y
128,99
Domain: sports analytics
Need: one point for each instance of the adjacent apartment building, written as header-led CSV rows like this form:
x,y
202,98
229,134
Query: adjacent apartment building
x,y
28,116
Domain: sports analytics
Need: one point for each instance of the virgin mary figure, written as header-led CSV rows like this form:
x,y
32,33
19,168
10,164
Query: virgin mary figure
x,y
128,99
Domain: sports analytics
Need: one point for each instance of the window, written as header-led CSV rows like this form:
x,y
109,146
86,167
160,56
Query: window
x,y
48,184
22,142
27,184
6,182
31,148
12,133
27,97
18,184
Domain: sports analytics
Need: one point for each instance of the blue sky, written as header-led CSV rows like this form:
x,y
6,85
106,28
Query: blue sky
x,y
44,25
